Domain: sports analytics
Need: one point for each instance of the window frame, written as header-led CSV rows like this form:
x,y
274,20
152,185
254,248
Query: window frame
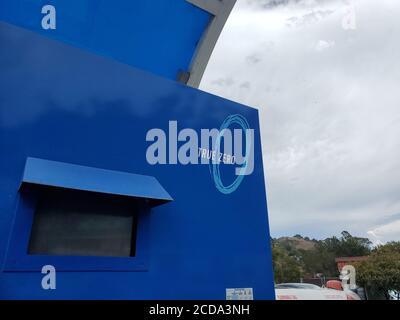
x,y
19,260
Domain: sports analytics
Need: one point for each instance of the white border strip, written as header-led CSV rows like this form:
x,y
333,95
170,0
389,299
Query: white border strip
x,y
221,10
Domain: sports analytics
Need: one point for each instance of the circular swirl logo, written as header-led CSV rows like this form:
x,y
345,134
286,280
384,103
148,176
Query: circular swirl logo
x,y
215,170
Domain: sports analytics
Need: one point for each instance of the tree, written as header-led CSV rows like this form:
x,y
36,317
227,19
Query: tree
x,y
292,262
350,246
381,272
286,268
322,259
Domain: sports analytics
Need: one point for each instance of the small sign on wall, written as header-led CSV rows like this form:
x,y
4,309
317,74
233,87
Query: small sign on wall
x,y
239,294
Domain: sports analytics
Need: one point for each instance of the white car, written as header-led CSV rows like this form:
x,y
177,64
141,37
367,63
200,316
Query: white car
x,y
305,291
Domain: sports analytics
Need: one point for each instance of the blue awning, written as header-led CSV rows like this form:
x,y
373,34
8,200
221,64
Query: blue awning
x,y
76,177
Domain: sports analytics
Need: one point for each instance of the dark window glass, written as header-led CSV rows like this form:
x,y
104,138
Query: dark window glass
x,y
76,223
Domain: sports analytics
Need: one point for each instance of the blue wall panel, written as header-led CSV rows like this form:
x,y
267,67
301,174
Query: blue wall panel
x,y
61,103
158,35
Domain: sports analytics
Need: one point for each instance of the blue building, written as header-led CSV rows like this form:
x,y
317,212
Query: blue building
x,y
78,191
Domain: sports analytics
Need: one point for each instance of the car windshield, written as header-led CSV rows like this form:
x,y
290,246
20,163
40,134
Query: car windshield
x,y
297,286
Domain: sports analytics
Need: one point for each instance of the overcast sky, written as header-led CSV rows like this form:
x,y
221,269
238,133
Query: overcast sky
x,y
325,75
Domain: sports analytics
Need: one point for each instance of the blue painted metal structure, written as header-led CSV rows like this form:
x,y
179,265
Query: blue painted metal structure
x,y
115,29
63,104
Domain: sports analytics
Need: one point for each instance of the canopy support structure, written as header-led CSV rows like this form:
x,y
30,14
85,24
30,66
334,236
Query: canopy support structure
x,y
221,10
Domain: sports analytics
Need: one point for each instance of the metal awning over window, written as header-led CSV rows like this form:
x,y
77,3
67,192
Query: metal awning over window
x,y
70,176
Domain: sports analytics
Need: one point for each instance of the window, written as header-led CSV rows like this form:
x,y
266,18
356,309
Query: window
x,y
80,218
78,223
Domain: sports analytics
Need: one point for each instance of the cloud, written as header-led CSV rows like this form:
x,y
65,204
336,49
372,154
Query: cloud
x,y
386,232
329,108
272,4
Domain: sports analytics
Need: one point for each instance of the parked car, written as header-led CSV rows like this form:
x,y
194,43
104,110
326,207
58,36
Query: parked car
x,y
305,291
